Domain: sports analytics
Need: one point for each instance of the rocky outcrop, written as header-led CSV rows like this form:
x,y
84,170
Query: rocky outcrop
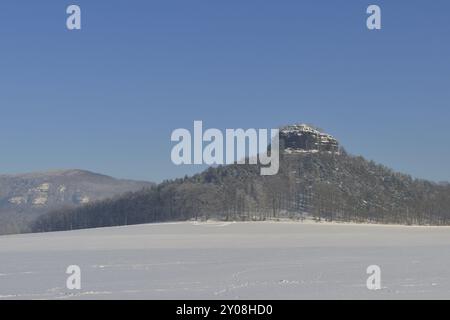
x,y
302,138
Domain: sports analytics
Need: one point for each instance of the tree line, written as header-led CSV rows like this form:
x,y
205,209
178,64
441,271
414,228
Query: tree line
x,y
324,186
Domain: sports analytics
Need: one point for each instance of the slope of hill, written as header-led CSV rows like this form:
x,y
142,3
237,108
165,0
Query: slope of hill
x,y
25,196
329,185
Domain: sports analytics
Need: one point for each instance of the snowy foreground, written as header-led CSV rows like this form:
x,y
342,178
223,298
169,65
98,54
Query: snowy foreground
x,y
279,260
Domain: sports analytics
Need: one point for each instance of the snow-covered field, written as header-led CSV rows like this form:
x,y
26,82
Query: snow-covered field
x,y
267,260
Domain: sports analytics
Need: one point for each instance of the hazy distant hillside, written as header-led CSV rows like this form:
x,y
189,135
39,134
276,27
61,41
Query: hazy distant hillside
x,y
312,180
25,196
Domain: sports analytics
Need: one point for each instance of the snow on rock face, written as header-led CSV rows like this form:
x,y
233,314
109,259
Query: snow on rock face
x,y
43,187
84,200
40,201
303,138
17,200
41,192
62,189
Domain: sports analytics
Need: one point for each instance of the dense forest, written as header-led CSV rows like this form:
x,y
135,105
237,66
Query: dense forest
x,y
325,186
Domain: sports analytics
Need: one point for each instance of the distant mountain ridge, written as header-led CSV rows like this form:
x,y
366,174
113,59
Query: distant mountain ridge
x,y
26,196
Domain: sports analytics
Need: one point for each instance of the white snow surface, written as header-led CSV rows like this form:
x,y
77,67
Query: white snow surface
x,y
218,260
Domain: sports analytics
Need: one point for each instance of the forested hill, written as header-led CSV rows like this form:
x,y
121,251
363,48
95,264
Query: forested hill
x,y
23,197
325,185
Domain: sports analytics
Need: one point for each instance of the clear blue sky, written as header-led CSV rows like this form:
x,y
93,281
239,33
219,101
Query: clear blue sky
x,y
107,98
